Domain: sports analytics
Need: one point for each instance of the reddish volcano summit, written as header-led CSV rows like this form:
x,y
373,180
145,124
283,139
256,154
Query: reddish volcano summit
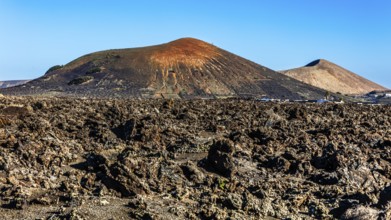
x,y
187,51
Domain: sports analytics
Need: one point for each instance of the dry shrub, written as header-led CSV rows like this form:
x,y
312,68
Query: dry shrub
x,y
361,213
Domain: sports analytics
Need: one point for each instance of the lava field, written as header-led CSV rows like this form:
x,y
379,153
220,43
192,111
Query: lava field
x,y
73,158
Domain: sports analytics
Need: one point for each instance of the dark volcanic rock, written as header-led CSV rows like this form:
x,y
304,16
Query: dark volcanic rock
x,y
220,157
198,159
385,196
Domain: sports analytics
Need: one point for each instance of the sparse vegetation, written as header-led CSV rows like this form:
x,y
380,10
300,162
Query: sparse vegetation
x,y
112,55
54,68
327,95
80,80
94,70
222,183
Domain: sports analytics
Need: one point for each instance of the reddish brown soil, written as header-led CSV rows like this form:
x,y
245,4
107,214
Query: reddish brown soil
x,y
186,51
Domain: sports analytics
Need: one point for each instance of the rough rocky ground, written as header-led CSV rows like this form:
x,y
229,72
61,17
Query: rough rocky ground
x,y
63,158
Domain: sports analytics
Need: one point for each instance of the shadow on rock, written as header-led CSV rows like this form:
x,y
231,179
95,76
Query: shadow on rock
x,y
220,158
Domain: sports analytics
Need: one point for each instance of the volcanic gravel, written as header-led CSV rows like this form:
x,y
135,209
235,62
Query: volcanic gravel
x,y
64,158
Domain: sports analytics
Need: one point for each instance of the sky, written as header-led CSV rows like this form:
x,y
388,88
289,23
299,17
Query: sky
x,y
279,34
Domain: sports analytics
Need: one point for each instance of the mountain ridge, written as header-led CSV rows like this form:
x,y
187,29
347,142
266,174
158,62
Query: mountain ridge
x,y
11,83
324,74
184,68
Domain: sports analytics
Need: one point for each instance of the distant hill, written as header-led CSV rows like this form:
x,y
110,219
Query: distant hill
x,y
329,76
184,68
11,83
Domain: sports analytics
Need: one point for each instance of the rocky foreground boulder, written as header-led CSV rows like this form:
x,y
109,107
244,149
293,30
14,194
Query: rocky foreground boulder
x,y
63,158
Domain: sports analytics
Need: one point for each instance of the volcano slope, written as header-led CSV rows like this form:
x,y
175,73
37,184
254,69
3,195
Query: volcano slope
x,y
63,158
185,68
11,83
331,77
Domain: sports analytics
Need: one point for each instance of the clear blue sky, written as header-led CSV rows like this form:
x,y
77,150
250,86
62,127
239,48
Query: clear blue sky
x,y
280,34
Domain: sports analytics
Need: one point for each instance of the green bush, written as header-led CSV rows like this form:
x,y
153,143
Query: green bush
x,y
222,183
80,80
53,68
